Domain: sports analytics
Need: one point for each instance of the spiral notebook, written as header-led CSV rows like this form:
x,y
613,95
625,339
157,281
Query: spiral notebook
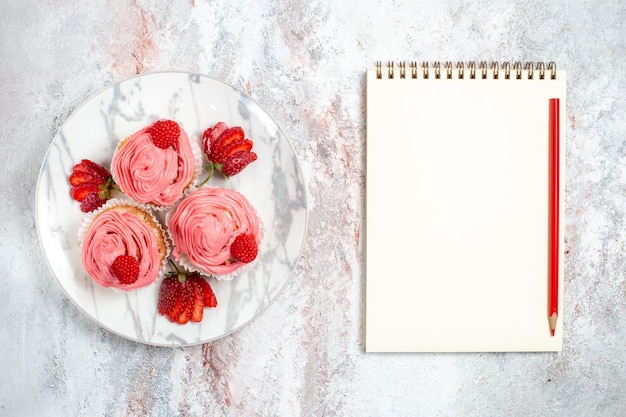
x,y
457,201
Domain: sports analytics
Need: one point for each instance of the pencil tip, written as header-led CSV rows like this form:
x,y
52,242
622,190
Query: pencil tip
x,y
552,319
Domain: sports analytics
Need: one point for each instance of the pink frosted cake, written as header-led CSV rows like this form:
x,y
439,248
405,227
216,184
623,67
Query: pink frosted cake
x,y
204,226
154,172
121,229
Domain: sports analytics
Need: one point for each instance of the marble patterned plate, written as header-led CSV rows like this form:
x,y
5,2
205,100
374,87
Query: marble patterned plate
x,y
273,184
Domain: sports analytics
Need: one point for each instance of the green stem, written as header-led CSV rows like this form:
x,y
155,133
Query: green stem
x,y
182,277
211,172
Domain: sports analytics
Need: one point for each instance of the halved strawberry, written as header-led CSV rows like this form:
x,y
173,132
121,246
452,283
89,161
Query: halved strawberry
x,y
92,202
78,177
187,296
90,180
209,296
235,163
231,149
177,308
91,168
168,295
231,135
198,302
79,192
227,150
211,134
183,296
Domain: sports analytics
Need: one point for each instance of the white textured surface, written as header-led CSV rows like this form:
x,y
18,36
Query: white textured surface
x,y
304,62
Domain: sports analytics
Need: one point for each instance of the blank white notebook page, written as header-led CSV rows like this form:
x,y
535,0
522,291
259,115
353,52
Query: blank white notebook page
x,y
457,201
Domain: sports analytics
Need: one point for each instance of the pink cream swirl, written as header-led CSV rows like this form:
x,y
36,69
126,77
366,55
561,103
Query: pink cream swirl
x,y
206,223
149,174
113,233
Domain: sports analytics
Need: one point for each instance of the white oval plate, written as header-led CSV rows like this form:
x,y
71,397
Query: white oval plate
x,y
273,184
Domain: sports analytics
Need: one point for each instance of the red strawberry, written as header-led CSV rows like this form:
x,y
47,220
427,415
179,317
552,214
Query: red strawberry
x,y
178,306
78,177
92,202
209,296
89,167
187,297
227,150
244,248
235,163
210,135
89,180
198,302
168,295
230,136
182,297
126,269
81,191
165,133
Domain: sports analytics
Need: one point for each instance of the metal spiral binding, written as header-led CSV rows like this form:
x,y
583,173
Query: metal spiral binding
x,y
480,70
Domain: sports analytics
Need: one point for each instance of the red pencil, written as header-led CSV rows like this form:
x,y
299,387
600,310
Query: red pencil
x,y
553,274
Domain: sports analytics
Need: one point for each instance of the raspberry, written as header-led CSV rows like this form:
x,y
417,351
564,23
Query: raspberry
x,y
165,133
126,269
244,248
